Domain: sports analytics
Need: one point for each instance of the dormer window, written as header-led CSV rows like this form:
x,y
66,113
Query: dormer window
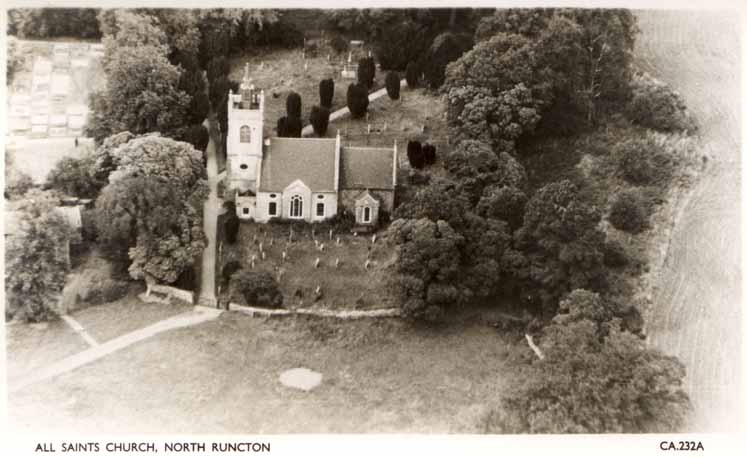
x,y
245,134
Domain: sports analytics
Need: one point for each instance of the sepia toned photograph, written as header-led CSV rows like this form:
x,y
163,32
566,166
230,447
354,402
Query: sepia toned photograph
x,y
419,220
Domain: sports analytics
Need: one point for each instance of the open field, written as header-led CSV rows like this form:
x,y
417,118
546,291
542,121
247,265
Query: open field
x,y
696,287
37,157
222,377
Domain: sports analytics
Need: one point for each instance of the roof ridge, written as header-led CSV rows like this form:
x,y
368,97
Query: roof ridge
x,y
297,139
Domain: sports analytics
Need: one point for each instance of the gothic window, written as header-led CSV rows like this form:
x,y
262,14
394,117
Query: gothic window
x,y
367,214
245,134
272,209
320,209
296,206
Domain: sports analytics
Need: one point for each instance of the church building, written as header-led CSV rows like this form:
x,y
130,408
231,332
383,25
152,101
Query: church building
x,y
309,179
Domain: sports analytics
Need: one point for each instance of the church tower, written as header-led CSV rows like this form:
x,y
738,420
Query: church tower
x,y
244,139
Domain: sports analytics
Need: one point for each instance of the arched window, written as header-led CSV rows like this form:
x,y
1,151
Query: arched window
x,y
296,206
245,134
367,214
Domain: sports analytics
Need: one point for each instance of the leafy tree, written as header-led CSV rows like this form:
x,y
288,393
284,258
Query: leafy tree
x,y
562,242
326,92
642,161
192,82
357,99
402,42
427,266
53,22
655,105
17,183
153,207
75,176
441,199
392,85
293,105
629,211
319,118
255,288
106,158
530,22
504,203
36,259
142,92
476,166
231,227
198,136
412,74
446,47
588,384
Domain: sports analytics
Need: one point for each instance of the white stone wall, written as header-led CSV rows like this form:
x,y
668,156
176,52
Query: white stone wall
x,y
246,207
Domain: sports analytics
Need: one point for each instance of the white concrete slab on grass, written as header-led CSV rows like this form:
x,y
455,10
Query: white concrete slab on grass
x,y
301,378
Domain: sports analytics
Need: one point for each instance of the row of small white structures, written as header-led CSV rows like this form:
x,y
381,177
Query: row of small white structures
x,y
187,297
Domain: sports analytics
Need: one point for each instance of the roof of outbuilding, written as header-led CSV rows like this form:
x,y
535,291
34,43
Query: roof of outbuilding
x,y
366,168
311,160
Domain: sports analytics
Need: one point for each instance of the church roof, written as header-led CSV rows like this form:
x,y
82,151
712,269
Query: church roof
x,y
366,168
311,160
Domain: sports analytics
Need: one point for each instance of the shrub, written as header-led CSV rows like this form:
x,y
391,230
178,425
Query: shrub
x,y
255,288
614,254
326,92
429,154
642,161
392,85
505,203
74,176
231,227
293,127
629,211
366,72
293,105
412,74
319,118
197,135
339,44
281,128
415,154
357,99
112,290
655,105
228,270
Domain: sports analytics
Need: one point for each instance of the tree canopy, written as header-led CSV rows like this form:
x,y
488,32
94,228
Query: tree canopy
x,y
153,206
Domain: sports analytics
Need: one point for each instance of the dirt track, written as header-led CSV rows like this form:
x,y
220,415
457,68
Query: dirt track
x,y
697,295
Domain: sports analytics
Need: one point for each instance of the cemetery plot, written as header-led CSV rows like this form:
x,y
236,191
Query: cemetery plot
x,y
341,271
58,76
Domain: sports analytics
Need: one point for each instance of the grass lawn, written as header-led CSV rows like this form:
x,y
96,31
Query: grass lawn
x,y
222,377
110,320
350,286
32,346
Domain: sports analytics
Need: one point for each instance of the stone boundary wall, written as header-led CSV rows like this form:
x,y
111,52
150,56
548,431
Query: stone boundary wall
x,y
170,292
343,314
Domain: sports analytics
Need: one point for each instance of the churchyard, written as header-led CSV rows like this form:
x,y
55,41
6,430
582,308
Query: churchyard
x,y
317,267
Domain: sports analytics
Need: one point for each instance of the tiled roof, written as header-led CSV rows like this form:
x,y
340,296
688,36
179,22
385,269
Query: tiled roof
x,y
366,168
311,160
